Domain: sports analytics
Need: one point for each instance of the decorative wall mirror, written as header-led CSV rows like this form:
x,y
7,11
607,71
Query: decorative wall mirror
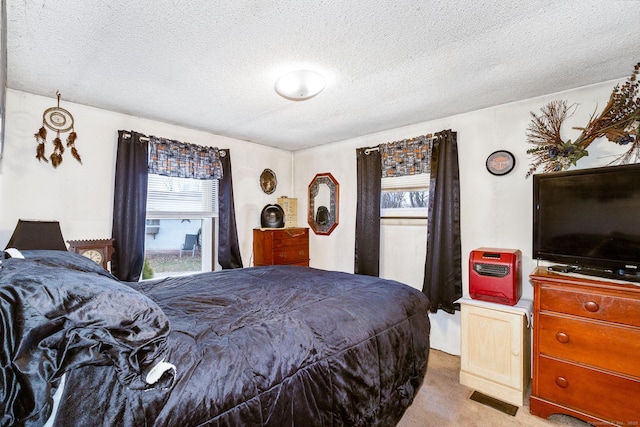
x,y
324,196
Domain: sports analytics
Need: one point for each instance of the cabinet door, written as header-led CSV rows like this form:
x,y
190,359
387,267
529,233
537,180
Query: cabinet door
x,y
492,345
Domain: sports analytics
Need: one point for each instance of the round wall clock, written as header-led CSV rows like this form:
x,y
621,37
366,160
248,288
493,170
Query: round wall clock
x,y
500,162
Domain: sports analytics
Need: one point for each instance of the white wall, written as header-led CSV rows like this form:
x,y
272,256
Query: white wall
x,y
495,211
81,196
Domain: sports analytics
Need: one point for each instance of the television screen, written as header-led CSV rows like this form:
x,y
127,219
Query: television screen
x,y
589,219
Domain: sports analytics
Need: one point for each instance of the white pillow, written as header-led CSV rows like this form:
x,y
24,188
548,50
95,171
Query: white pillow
x,y
14,253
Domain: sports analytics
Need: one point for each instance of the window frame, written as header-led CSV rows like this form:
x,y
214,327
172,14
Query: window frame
x,y
209,229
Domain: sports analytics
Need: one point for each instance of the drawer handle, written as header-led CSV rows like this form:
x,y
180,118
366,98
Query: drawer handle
x,y
562,382
562,337
293,235
300,252
283,255
592,306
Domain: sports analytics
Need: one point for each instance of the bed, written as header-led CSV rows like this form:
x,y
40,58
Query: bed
x,y
263,346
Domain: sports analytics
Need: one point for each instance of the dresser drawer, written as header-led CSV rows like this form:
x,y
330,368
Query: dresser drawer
x,y
603,394
606,345
593,305
287,238
290,255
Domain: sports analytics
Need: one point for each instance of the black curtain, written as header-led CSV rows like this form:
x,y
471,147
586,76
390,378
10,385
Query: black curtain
x,y
369,185
130,206
443,266
228,248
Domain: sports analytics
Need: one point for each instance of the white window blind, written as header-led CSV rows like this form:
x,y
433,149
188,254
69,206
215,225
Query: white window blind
x,y
406,183
405,196
181,197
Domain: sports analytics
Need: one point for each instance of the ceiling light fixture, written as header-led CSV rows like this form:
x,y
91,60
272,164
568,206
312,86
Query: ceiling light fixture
x,y
300,85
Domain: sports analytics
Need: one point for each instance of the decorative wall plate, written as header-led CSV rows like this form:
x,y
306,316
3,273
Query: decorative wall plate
x,y
268,181
500,162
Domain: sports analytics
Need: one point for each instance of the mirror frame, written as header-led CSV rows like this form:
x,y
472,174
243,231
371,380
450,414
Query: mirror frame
x,y
334,202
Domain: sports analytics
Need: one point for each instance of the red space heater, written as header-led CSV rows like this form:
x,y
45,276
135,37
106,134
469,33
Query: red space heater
x,y
495,275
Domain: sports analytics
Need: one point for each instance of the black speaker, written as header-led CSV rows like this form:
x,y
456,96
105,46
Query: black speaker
x,y
272,216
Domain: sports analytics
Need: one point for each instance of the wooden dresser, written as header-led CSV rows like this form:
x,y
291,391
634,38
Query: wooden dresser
x,y
586,349
280,246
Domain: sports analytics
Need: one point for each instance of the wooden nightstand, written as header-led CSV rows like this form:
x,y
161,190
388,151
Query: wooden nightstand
x,y
495,354
98,250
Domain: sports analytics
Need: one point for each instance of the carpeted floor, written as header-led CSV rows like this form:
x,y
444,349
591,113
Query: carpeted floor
x,y
443,401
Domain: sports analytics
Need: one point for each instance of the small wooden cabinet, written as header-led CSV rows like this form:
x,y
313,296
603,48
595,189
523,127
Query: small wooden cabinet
x,y
586,349
495,348
281,246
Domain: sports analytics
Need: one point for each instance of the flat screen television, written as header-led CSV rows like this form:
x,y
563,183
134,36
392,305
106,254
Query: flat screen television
x,y
589,220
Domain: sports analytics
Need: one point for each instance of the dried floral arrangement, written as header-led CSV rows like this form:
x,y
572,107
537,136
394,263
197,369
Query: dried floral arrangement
x,y
59,120
619,122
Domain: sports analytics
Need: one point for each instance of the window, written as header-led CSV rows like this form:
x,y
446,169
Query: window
x,y
405,196
180,226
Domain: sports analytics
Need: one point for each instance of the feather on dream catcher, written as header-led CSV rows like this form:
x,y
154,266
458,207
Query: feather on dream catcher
x,y
58,120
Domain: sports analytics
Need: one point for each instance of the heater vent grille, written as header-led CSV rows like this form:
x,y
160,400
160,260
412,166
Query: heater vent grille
x,y
494,270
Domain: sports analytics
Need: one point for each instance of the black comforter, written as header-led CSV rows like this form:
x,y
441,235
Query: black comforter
x,y
267,346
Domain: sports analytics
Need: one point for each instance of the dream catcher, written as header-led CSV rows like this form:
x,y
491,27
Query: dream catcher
x,y
58,120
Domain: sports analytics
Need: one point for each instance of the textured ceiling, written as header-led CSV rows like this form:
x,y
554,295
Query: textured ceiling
x,y
211,65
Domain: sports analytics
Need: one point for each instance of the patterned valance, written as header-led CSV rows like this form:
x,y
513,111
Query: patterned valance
x,y
183,160
407,157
